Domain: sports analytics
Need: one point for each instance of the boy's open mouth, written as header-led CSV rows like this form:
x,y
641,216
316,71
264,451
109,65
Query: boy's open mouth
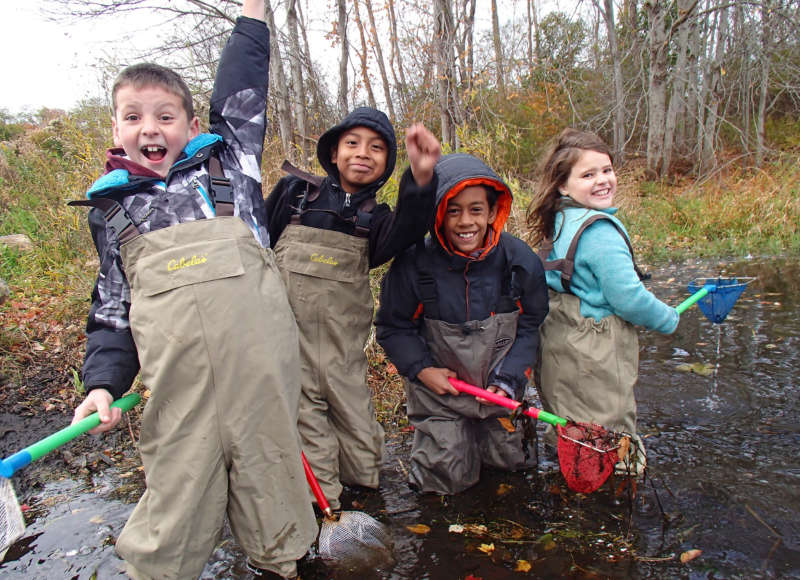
x,y
154,152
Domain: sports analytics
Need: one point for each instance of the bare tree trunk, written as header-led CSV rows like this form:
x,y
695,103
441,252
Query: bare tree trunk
x,y
715,91
657,82
761,115
341,101
679,77
529,34
444,79
397,57
607,12
296,68
313,81
363,55
469,36
498,50
376,45
279,91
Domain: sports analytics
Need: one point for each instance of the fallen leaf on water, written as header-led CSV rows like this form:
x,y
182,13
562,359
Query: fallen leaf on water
x,y
507,424
697,368
456,529
97,520
486,548
523,566
503,489
477,529
690,555
471,577
420,529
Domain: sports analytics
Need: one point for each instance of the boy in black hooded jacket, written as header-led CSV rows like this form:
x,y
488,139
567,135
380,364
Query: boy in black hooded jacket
x,y
327,233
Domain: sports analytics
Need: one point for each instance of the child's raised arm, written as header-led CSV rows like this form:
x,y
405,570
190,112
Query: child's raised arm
x,y
254,9
423,151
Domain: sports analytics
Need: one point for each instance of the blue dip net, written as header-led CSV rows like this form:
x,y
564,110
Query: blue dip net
x,y
720,299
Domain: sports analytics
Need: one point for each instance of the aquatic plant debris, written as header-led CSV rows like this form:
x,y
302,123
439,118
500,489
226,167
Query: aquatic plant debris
x,y
698,368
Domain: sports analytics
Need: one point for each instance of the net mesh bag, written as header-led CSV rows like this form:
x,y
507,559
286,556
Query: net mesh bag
x,y
354,537
718,303
12,525
587,454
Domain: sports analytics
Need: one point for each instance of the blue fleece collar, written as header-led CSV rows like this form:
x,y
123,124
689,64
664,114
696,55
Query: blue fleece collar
x,y
122,180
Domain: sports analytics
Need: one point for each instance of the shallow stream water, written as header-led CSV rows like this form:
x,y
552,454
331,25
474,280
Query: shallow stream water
x,y
722,478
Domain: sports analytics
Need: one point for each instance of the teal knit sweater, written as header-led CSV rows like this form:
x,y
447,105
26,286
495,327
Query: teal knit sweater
x,y
604,278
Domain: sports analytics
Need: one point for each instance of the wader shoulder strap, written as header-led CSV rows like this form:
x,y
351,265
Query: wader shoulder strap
x,y
566,265
361,221
427,283
510,293
310,191
221,191
116,217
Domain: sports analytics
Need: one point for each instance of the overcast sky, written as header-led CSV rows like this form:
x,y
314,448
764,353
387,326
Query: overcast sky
x,y
55,65
47,64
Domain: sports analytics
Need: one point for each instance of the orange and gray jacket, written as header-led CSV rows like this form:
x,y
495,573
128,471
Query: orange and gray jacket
x,y
505,274
152,202
331,208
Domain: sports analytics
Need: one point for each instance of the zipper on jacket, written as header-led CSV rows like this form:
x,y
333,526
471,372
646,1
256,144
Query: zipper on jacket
x,y
346,199
199,188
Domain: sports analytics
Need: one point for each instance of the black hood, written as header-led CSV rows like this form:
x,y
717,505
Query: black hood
x,y
360,117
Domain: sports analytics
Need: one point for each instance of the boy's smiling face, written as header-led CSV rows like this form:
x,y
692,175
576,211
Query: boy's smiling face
x,y
152,126
360,155
467,219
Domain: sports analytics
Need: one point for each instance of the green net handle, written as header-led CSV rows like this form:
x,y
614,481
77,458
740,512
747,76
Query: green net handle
x,y
694,298
66,434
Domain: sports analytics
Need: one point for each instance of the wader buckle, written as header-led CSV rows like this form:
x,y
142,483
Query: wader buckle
x,y
221,190
121,222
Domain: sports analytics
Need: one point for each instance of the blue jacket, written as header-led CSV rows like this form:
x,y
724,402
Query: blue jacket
x,y
604,278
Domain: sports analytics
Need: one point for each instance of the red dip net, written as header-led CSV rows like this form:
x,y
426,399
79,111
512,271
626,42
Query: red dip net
x,y
587,454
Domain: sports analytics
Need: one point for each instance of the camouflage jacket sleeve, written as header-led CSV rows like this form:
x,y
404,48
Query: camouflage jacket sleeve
x,y
111,360
238,114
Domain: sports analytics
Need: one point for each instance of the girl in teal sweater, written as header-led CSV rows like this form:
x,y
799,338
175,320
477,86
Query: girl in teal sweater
x,y
589,347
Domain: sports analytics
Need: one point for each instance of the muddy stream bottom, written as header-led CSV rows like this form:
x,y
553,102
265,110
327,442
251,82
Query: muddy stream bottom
x,y
718,410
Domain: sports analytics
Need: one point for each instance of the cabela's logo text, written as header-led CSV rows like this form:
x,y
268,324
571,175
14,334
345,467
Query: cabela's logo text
x,y
330,260
195,260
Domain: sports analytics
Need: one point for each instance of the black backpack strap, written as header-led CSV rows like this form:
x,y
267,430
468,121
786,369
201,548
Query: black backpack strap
x,y
310,191
115,215
363,217
221,190
427,283
566,265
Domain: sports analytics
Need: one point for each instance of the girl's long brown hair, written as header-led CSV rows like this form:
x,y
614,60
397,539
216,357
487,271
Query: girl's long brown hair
x,y
561,155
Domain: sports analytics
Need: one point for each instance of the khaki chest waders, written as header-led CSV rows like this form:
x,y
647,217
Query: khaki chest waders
x,y
326,274
218,351
455,435
587,369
